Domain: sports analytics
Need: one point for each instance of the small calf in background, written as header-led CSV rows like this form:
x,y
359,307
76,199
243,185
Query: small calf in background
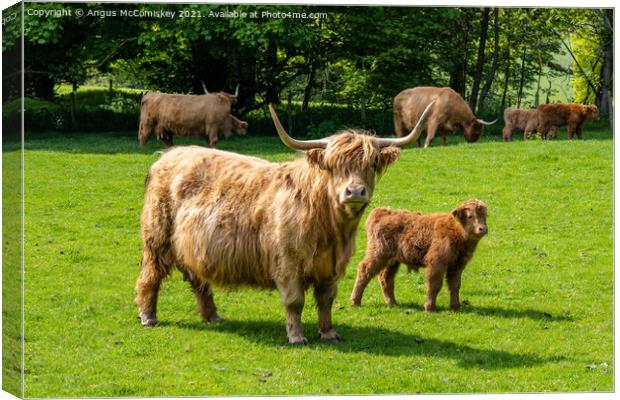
x,y
524,120
443,243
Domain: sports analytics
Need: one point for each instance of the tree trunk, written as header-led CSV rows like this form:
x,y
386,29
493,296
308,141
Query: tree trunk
x,y
484,28
537,96
272,92
604,96
363,109
507,78
289,114
548,93
308,88
521,81
491,77
458,73
74,125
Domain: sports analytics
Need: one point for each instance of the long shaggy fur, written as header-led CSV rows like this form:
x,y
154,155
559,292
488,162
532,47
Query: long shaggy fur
x,y
164,115
450,112
573,115
443,243
231,220
524,120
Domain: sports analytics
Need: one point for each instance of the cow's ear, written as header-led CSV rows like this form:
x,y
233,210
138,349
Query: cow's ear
x,y
387,156
316,157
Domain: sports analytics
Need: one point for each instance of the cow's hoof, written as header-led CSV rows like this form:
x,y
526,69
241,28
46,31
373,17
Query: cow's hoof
x,y
214,319
298,340
355,303
148,320
330,336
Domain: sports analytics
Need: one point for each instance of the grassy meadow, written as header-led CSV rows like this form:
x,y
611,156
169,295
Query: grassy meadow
x,y
538,294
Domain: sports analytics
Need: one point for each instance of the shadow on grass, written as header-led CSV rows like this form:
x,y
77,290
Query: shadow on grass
x,y
374,340
496,312
127,143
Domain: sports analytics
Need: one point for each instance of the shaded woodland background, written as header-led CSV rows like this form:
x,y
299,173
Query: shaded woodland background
x,y
346,66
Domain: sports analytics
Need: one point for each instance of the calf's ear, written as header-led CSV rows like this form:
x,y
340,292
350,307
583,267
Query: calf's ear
x,y
316,157
458,213
387,156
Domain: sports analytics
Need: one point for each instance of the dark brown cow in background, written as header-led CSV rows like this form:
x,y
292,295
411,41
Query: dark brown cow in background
x,y
165,115
231,220
573,115
449,113
525,120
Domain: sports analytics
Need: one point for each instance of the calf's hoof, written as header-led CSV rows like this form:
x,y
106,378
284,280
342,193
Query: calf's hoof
x,y
298,340
429,307
330,336
455,307
148,319
355,302
214,319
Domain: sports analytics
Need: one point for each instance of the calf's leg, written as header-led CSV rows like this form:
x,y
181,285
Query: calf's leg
x,y
386,280
453,277
434,281
368,268
325,295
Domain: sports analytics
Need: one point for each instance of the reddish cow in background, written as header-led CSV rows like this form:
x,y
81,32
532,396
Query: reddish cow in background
x,y
572,115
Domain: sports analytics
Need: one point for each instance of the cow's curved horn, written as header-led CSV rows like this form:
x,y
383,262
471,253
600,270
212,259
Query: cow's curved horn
x,y
294,143
237,91
487,123
204,87
412,136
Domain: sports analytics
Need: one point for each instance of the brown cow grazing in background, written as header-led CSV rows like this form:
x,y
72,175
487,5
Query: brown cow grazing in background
x,y
573,115
449,113
525,120
231,220
443,243
165,115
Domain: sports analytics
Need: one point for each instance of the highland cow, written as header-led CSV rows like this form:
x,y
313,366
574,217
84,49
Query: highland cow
x,y
573,115
232,220
449,113
525,120
165,115
443,243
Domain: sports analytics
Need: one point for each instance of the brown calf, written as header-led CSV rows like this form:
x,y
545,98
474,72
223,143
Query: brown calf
x,y
443,243
573,115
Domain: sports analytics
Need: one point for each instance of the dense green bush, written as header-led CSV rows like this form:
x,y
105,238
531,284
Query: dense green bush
x,y
96,110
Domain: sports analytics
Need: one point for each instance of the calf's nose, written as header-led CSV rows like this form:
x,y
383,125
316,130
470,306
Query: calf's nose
x,y
356,193
482,229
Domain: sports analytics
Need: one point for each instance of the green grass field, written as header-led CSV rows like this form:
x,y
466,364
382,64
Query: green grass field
x,y
539,291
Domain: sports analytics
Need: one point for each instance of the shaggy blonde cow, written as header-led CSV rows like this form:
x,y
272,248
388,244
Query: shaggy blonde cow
x,y
449,113
165,115
225,219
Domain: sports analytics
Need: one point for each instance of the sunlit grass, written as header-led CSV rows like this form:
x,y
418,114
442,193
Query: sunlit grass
x,y
539,291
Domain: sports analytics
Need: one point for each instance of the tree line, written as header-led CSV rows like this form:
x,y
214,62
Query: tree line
x,y
361,56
